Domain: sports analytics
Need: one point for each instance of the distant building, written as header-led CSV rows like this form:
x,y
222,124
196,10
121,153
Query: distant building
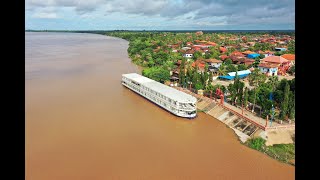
x,y
213,62
278,60
268,53
280,49
268,69
199,33
223,49
232,75
252,56
290,57
200,64
224,57
188,54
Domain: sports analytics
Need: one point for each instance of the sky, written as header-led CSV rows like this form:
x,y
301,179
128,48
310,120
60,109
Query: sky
x,y
160,14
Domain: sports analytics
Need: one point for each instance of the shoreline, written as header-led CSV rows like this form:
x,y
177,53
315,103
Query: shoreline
x,y
241,137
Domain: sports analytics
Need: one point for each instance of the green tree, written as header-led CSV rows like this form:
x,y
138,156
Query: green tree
x,y
231,68
242,67
273,81
292,70
285,103
256,78
291,107
245,97
236,90
157,73
197,55
222,70
210,78
291,47
182,73
228,61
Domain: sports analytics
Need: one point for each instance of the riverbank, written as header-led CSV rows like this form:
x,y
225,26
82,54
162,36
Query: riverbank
x,y
245,130
281,152
276,144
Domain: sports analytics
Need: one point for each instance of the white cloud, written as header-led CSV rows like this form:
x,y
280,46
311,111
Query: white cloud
x,y
45,15
192,12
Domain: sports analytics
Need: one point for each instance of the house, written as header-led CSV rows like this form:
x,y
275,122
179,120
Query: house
x,y
278,60
189,43
224,57
223,49
211,43
248,52
202,45
200,64
237,53
268,68
251,43
199,33
196,48
290,57
232,75
268,53
280,49
188,53
174,50
205,49
252,56
236,59
186,48
248,61
213,62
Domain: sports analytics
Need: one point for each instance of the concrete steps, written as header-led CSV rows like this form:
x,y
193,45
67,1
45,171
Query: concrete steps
x,y
230,119
224,116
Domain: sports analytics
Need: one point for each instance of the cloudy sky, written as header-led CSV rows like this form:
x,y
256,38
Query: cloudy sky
x,y
160,14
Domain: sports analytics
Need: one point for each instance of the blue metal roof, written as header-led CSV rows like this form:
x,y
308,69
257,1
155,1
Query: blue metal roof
x,y
232,77
253,55
239,72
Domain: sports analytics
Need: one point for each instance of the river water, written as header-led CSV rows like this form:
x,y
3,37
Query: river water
x,y
81,123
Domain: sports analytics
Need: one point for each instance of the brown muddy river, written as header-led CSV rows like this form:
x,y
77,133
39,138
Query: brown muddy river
x,y
82,124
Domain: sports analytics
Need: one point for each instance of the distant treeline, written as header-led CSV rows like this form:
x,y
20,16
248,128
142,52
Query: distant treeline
x,y
241,32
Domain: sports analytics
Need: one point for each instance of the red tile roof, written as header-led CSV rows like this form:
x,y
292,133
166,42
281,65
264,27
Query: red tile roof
x,y
223,49
267,65
237,53
290,57
248,52
199,63
196,48
275,59
213,60
212,43
223,57
189,51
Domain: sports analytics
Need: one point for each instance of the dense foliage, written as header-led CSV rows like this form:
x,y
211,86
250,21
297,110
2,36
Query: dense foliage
x,y
282,152
160,52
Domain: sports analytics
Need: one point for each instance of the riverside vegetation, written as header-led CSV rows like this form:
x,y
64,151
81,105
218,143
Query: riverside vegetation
x,y
154,52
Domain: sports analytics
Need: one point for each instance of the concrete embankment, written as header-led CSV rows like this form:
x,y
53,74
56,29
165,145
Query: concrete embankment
x,y
213,109
243,126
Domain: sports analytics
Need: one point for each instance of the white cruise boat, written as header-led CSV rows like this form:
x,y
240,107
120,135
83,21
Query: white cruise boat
x,y
172,100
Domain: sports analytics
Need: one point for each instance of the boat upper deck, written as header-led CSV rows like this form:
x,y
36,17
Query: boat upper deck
x,y
161,88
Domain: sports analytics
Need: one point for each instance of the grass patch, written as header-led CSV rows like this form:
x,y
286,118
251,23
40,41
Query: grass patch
x,y
281,152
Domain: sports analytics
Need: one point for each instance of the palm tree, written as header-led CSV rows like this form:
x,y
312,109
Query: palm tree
x,y
273,81
222,70
256,78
